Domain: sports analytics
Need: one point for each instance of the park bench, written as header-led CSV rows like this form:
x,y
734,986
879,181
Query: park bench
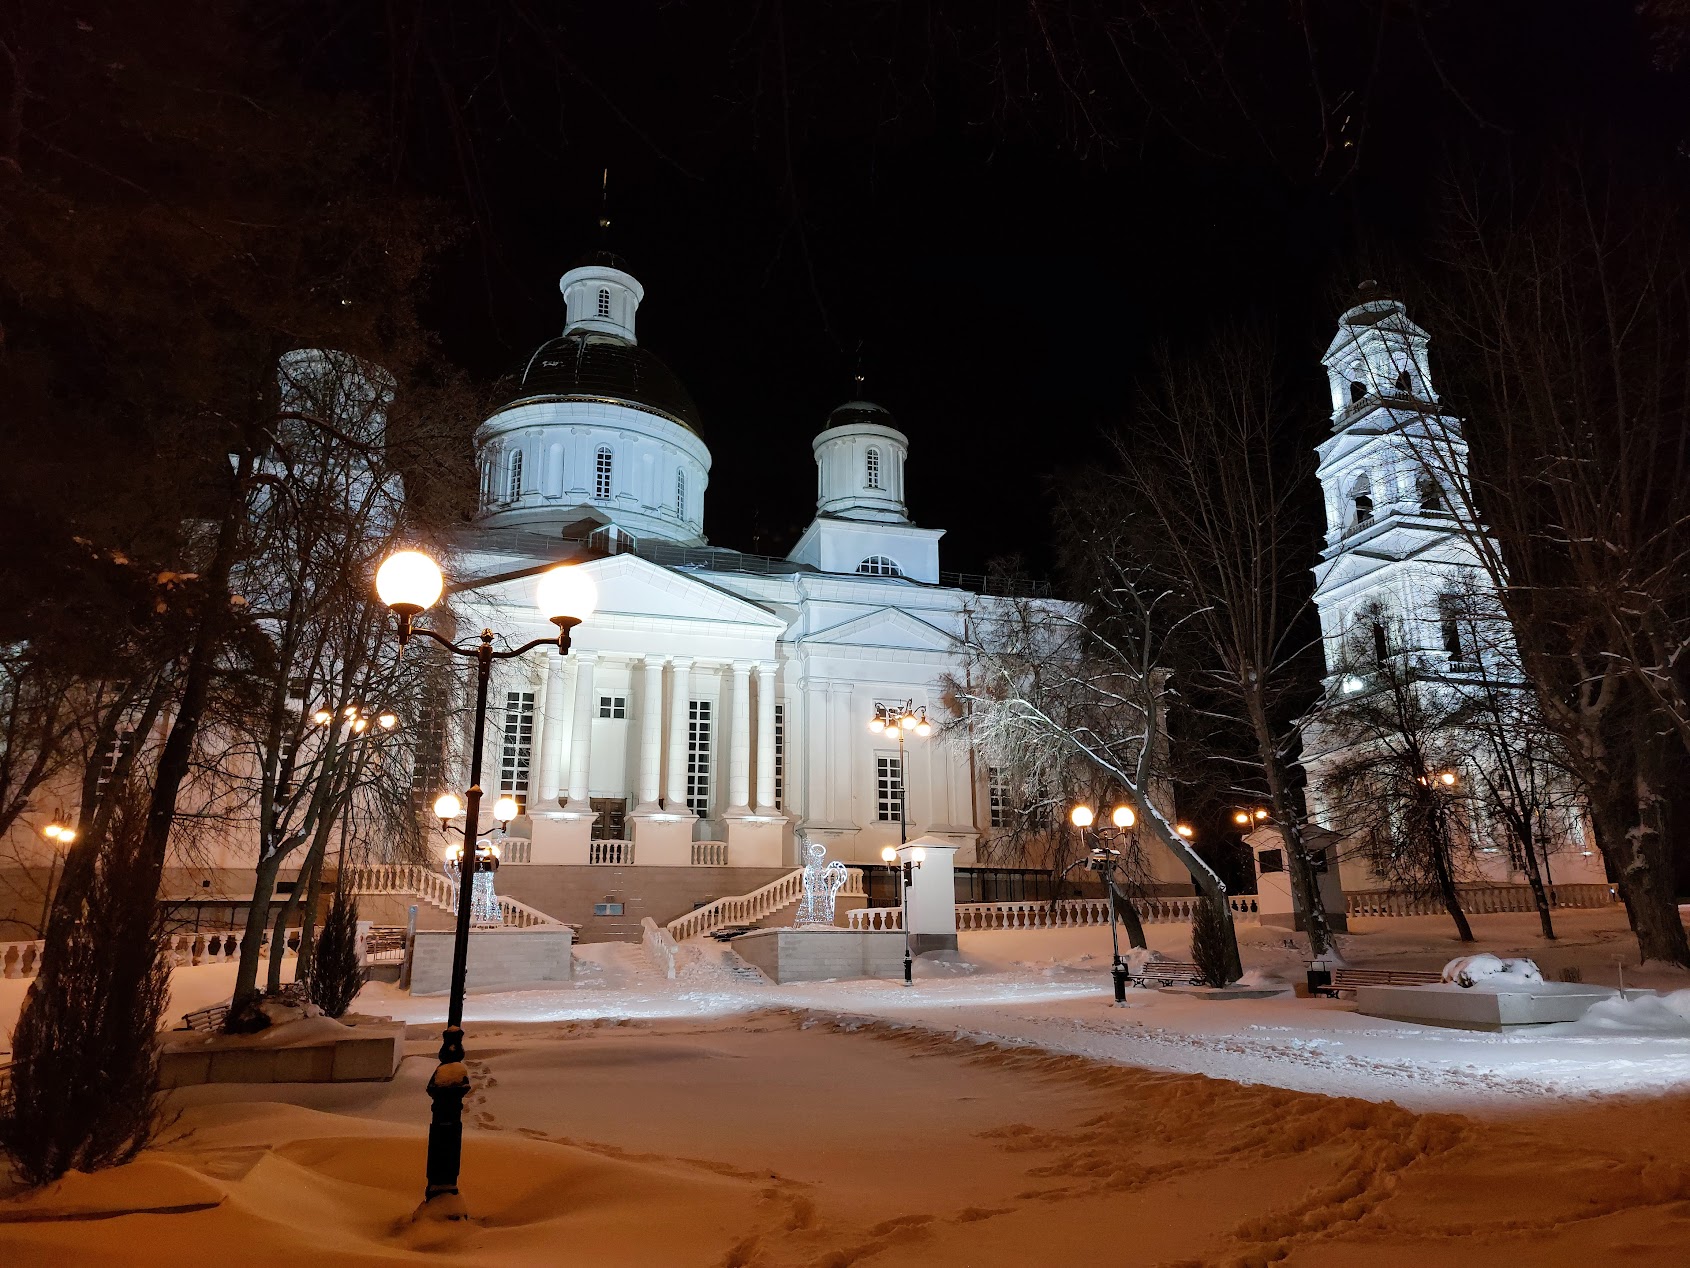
x,y
1165,973
212,1018
1341,981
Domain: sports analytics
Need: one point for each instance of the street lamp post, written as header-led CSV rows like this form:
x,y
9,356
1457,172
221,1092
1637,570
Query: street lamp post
x,y
63,836
895,719
1104,858
906,878
410,583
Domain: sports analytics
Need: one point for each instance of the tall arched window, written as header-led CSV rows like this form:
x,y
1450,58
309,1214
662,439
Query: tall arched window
x,y
1431,494
516,476
602,472
1361,502
871,469
680,494
880,566
604,303
1357,390
1381,640
1405,383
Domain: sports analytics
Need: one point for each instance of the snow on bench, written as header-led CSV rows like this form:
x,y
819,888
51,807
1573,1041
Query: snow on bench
x,y
1165,973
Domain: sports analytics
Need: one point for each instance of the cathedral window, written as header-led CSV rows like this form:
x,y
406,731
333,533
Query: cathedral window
x,y
1449,624
604,303
880,566
888,787
780,755
515,746
429,762
698,757
516,476
1405,383
615,707
871,469
602,465
1381,640
1431,494
1358,391
680,494
997,796
1361,501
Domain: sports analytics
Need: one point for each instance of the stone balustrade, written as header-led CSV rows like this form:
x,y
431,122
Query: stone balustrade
x,y
747,909
611,853
435,889
516,850
208,946
709,853
1476,900
1066,913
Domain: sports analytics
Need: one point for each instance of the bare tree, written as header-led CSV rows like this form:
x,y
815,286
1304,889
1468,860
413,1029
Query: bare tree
x,y
1048,683
1389,750
1213,480
1570,311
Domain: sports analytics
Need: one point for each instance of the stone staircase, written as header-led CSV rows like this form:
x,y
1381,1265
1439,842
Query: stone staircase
x,y
756,908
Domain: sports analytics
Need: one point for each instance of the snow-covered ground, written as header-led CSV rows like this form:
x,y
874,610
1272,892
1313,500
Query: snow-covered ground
x,y
1001,1112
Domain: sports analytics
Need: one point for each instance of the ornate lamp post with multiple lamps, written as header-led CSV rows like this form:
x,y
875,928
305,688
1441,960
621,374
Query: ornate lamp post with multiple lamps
x,y
410,583
1103,858
895,719
906,878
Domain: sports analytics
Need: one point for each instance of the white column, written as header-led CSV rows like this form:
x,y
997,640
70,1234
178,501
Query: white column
x,y
817,735
551,731
739,741
580,747
680,693
651,735
766,738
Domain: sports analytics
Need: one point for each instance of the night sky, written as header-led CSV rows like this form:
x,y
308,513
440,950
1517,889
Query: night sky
x,y
791,191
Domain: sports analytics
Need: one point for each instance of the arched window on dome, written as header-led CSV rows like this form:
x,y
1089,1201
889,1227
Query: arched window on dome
x,y
516,476
880,565
871,470
602,468
604,303
680,494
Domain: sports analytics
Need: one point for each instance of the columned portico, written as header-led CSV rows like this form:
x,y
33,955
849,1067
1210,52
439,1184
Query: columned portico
x,y
680,693
551,733
580,747
739,742
651,737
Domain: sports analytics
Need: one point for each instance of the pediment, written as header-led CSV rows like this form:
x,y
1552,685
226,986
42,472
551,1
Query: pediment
x,y
632,587
886,628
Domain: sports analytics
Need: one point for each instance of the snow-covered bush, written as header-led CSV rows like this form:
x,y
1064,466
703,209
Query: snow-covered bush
x,y
1486,969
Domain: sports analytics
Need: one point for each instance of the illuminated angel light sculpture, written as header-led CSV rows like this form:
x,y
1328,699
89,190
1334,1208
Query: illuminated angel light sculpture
x,y
483,902
822,883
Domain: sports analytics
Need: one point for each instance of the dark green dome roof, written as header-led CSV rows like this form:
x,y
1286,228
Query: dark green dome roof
x,y
590,366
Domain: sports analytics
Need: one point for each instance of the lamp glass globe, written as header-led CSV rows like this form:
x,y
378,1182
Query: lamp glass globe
x,y
1123,817
505,809
447,806
924,728
409,581
918,856
1081,816
908,721
890,854
565,594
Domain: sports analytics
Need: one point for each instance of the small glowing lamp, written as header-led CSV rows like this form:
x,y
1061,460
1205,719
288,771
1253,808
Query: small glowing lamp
x,y
409,582
1081,816
322,717
505,808
447,806
1123,817
890,854
566,595
1447,778
1185,831
924,728
360,725
388,721
876,725
908,721
918,856
1261,814
1241,818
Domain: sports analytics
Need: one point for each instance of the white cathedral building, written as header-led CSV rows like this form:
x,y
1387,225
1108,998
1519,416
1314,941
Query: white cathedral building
x,y
1397,559
714,710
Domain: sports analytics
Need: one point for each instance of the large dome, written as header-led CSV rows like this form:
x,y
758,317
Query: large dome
x,y
585,365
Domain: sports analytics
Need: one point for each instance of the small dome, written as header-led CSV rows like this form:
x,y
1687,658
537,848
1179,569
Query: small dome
x,y
587,365
852,413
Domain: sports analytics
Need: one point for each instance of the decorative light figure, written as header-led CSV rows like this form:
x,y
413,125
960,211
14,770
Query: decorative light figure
x,y
822,883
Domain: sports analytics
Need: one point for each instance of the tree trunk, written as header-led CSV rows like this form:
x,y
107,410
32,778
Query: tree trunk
x,y
1445,874
1646,883
279,941
1129,917
1534,878
1305,882
308,925
257,916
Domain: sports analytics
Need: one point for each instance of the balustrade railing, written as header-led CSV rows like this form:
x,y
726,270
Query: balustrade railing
x,y
1066,913
660,947
709,853
435,889
516,850
612,853
746,909
1476,900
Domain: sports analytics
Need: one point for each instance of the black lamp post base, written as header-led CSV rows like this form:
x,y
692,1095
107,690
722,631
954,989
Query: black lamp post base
x,y
1119,972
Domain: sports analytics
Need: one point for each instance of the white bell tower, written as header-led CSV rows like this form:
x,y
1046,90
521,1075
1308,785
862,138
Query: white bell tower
x,y
1395,550
601,297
